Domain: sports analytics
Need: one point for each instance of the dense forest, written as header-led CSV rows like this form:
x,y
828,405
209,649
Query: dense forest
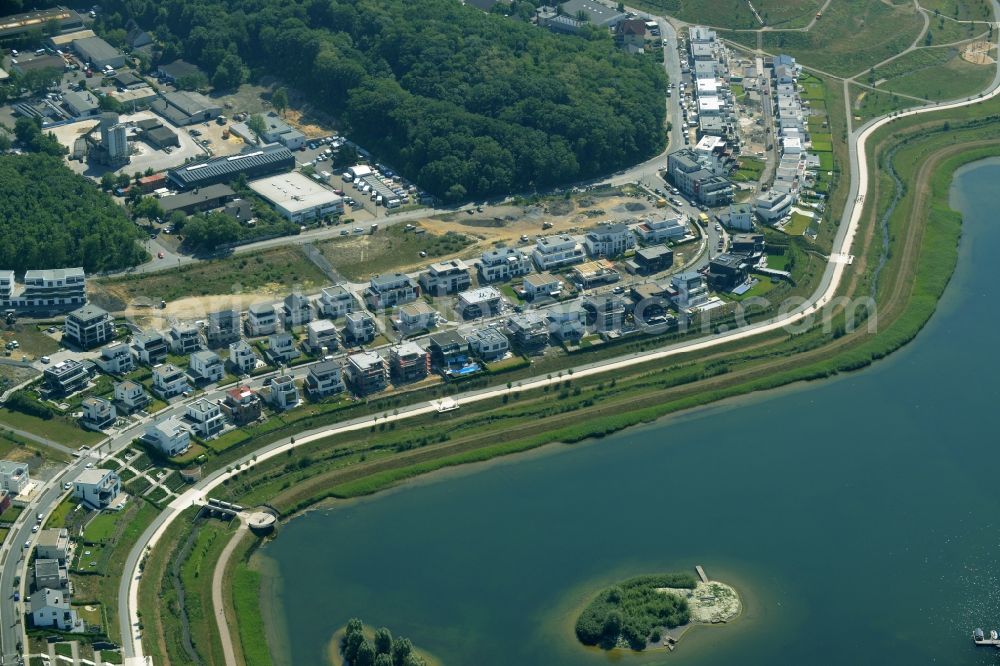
x,y
464,102
52,218
634,612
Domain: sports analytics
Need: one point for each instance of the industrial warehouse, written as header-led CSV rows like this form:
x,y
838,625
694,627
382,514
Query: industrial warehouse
x,y
297,197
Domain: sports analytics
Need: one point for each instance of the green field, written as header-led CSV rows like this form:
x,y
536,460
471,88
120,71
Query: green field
x,y
276,270
59,429
867,104
935,74
798,224
749,170
849,38
776,13
962,10
359,257
101,529
246,601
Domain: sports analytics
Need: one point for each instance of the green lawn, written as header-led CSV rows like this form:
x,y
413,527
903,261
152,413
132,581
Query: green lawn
x,y
394,248
64,649
798,224
777,261
247,601
749,170
776,13
59,429
936,74
825,161
101,529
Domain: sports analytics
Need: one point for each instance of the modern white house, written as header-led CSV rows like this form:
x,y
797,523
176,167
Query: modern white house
x,y
552,252
541,284
282,392
281,348
321,334
98,413
261,320
52,544
169,381
14,476
51,608
691,288
150,347
503,264
417,316
654,232
184,338
130,396
206,367
205,417
116,359
171,436
488,343
772,206
324,379
359,328
242,357
609,240
88,327
386,291
97,488
445,277
296,310
335,302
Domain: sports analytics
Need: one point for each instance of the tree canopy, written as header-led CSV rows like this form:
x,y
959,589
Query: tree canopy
x,y
464,102
51,217
384,650
633,611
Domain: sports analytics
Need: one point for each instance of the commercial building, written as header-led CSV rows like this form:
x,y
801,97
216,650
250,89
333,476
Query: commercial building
x,y
155,133
205,418
206,367
366,372
197,200
98,53
67,20
502,264
335,302
359,328
169,381
609,240
409,362
150,347
593,12
445,277
88,327
283,394
277,130
256,163
66,377
81,104
324,379
241,405
171,436
186,108
553,252
481,302
242,357
390,290
97,488
173,72
98,413
116,359
298,198
14,476
130,396
488,344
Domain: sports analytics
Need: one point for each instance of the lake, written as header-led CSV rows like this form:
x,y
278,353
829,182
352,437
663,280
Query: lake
x,y
859,518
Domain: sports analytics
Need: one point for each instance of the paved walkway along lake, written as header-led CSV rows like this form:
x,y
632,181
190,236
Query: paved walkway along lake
x,y
858,518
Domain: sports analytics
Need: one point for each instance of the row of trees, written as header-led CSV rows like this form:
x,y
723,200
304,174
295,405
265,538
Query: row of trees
x,y
634,611
384,650
466,103
51,217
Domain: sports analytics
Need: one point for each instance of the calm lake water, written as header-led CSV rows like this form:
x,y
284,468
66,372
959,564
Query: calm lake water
x,y
859,518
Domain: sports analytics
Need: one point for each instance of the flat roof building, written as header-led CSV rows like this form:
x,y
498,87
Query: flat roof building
x,y
204,198
297,197
186,108
17,24
259,162
98,53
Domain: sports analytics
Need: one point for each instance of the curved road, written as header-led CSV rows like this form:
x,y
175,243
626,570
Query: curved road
x,y
12,552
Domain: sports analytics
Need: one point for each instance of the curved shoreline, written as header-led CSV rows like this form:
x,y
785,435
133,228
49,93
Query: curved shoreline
x,y
828,287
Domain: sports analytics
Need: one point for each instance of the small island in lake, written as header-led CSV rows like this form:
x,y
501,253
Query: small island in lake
x,y
357,645
653,611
